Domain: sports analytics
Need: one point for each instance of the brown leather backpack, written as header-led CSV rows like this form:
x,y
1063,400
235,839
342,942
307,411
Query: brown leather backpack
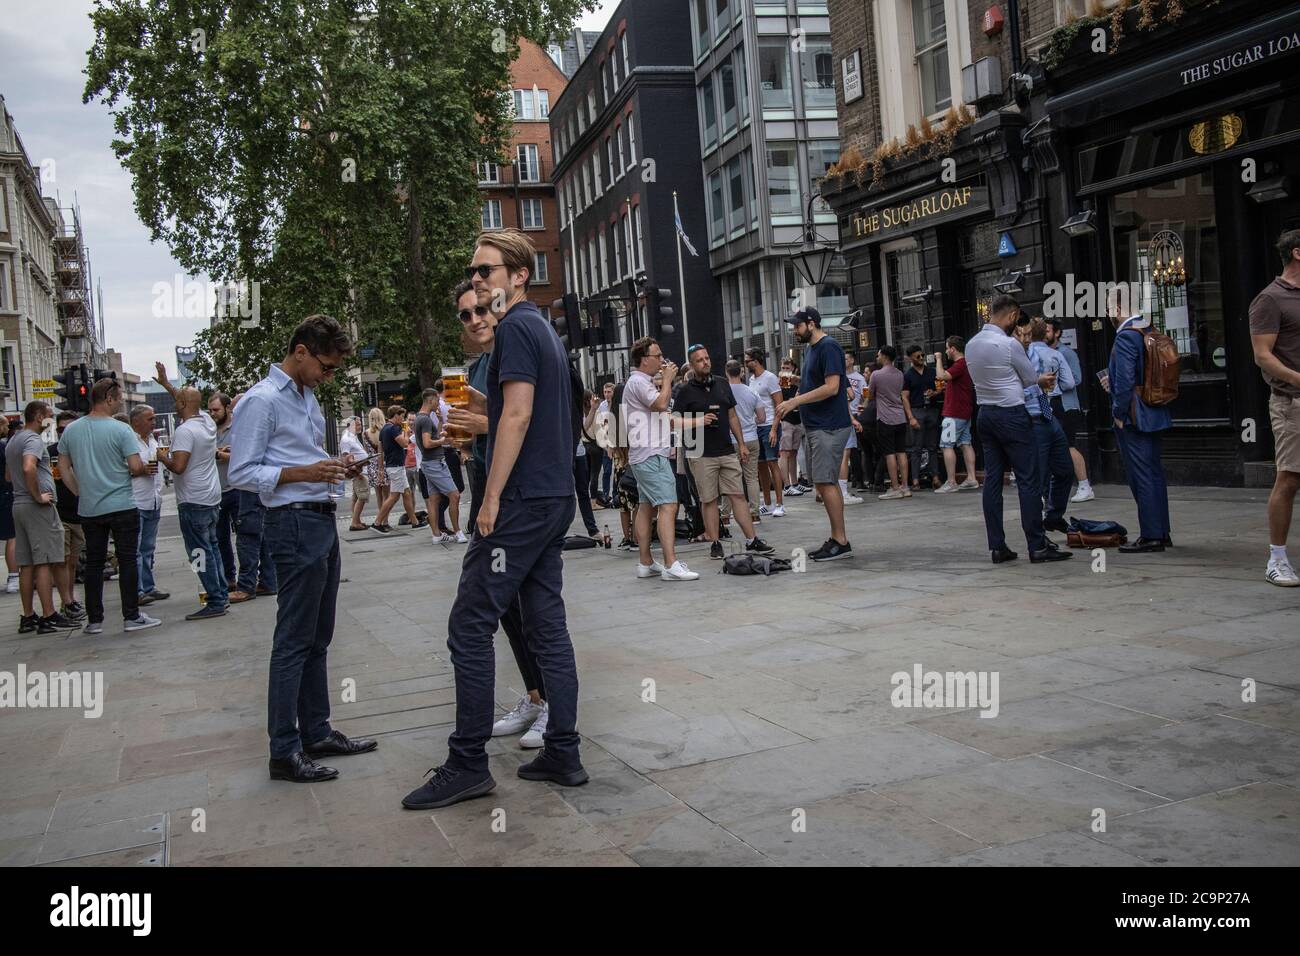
x,y
1162,365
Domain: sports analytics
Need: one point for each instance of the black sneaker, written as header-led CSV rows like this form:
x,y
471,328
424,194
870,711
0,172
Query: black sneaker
x,y
724,534
626,545
159,595
27,624
447,786
759,546
145,600
74,611
404,520
381,528
546,767
716,552
832,550
205,613
56,622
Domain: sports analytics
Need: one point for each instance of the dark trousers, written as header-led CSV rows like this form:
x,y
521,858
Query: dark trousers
x,y
595,463
255,563
582,482
1055,467
1146,479
512,622
521,560
923,444
305,549
124,526
1007,437
226,522
458,479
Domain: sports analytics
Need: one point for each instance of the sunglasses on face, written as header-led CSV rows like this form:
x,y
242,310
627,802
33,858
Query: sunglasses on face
x,y
481,271
326,369
478,310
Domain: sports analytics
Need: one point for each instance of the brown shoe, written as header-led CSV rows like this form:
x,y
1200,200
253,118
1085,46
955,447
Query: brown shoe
x,y
239,597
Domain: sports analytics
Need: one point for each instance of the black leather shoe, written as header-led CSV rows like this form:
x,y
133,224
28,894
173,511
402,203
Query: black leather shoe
x,y
1049,554
336,745
1167,541
301,769
1004,554
546,767
1142,546
1056,524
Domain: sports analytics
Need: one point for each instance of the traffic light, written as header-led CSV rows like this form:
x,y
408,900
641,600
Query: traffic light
x,y
567,319
65,389
82,391
659,314
103,373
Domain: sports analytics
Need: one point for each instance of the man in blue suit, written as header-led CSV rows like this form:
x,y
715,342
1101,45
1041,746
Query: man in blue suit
x,y
1139,430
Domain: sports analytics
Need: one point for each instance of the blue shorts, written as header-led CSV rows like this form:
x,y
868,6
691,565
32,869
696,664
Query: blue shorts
x,y
655,482
954,432
765,451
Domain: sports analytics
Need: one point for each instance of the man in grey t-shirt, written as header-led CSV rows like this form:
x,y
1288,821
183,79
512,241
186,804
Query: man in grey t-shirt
x,y
891,421
38,530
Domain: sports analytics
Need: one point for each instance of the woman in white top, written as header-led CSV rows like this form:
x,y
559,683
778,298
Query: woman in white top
x,y
350,444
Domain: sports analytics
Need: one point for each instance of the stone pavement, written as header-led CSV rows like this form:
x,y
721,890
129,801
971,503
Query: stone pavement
x,y
1119,691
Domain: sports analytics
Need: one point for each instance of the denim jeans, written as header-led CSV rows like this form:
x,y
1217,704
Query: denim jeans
x,y
148,541
1007,437
606,482
520,559
226,525
305,549
255,563
124,526
199,531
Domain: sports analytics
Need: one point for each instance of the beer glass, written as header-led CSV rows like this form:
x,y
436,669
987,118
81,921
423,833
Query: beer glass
x,y
455,389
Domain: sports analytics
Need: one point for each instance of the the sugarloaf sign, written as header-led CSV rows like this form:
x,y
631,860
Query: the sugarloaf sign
x,y
917,212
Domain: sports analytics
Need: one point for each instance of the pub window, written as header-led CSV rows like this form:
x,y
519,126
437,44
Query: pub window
x,y
930,31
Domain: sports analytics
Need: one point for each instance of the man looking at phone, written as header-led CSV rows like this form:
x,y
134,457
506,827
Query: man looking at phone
x,y
277,450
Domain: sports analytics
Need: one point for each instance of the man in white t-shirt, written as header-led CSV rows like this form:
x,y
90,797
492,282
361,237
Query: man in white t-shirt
x,y
767,387
193,460
752,414
649,440
146,490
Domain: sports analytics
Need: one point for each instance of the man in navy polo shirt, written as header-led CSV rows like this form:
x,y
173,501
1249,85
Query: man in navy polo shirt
x,y
517,543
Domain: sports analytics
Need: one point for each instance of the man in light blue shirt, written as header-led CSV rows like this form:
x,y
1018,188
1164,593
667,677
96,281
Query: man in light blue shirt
x,y
277,449
1071,409
1001,371
1055,470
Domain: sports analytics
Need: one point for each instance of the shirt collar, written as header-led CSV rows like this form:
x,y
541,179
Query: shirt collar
x,y
1133,322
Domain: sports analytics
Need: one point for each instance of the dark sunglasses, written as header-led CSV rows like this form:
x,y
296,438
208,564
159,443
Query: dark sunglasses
x,y
481,271
479,310
694,348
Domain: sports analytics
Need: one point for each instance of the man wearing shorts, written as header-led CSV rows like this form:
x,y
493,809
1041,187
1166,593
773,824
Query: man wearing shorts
x,y
958,410
824,406
393,441
649,432
891,421
1275,338
709,424
790,433
768,389
433,468
38,533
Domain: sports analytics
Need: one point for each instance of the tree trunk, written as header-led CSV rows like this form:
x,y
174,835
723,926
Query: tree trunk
x,y
419,300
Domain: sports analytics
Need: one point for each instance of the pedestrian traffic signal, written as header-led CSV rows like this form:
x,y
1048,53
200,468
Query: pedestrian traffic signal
x,y
659,314
64,388
74,386
567,319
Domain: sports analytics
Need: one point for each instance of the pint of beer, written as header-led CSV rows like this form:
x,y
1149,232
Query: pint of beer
x,y
455,387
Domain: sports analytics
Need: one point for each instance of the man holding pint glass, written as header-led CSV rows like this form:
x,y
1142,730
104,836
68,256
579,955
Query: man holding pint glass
x,y
277,450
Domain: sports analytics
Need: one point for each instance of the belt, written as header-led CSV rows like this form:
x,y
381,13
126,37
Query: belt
x,y
322,507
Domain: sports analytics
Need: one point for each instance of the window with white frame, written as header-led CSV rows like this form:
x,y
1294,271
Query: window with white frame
x,y
592,112
631,141
4,285
603,261
613,68
640,246
586,184
541,274
531,104
616,240
921,48
930,33
594,264
530,214
488,173
595,171
627,63
604,78
622,152
527,163
627,238
609,159
492,214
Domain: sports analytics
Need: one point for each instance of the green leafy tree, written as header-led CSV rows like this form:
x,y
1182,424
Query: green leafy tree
x,y
326,151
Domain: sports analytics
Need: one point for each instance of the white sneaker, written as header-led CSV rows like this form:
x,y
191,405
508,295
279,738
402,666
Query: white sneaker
x,y
891,494
778,511
1083,495
11,587
1282,574
141,622
794,491
652,570
968,484
852,500
534,738
764,511
946,488
460,538
522,716
679,572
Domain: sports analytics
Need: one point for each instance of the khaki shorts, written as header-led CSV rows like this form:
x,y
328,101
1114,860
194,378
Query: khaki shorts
x,y
396,480
1285,415
791,436
74,540
360,489
39,534
715,477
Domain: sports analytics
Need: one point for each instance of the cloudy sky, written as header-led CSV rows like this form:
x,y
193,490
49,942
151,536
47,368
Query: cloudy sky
x,y
42,62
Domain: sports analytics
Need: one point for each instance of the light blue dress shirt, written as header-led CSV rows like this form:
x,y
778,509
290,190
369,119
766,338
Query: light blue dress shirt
x,y
1047,359
277,427
1070,396
999,368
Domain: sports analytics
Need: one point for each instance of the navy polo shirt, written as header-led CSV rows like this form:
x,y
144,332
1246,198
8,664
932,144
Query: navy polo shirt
x,y
527,349
820,361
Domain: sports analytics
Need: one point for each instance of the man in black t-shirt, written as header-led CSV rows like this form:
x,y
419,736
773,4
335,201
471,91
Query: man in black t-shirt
x,y
74,540
393,440
925,404
707,407
791,430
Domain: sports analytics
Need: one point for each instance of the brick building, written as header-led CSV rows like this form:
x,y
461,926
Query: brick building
x,y
518,192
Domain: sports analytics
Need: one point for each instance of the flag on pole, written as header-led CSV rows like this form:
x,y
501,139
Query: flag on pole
x,y
681,230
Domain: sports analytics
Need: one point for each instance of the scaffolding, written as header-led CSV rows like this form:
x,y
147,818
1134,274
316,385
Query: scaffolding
x,y
74,296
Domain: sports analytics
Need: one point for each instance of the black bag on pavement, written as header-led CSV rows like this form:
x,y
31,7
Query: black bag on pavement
x,y
746,564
